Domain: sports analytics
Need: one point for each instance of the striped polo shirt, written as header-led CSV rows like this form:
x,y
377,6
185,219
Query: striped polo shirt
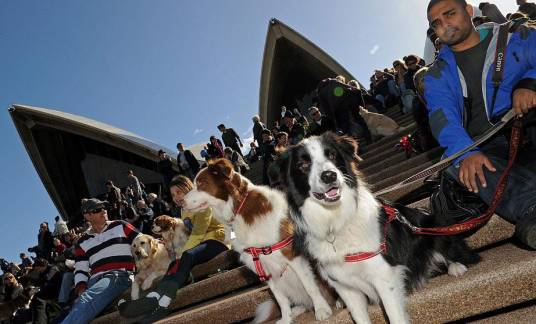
x,y
96,253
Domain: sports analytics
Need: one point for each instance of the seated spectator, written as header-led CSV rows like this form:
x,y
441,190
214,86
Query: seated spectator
x,y
295,130
104,263
146,216
15,295
254,153
528,8
205,242
59,247
60,227
320,123
300,118
268,154
26,262
236,159
132,216
204,153
411,62
49,283
276,129
159,206
282,142
215,148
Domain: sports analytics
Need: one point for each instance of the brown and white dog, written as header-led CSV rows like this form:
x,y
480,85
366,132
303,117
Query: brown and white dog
x,y
173,231
152,261
259,218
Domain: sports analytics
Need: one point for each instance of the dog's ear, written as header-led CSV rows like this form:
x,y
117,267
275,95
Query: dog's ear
x,y
348,147
154,246
221,167
277,171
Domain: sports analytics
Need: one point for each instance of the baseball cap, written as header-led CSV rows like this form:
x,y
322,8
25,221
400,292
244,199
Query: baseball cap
x,y
91,204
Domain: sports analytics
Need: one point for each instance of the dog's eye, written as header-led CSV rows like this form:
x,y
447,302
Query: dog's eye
x,y
142,243
331,155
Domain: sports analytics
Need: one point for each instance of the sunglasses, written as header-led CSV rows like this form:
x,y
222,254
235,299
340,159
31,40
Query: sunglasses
x,y
411,63
96,210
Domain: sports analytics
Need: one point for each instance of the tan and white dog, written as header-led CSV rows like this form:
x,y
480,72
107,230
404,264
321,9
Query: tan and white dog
x,y
259,218
152,261
173,231
378,124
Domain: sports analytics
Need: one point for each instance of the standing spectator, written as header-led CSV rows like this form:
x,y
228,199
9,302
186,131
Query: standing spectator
x,y
165,168
411,61
268,154
45,242
104,263
295,130
320,123
60,227
135,185
528,8
146,215
114,198
257,129
187,163
237,160
230,138
158,206
215,148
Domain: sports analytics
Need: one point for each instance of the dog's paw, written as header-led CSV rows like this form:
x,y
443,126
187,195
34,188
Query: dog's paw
x,y
322,313
457,269
146,284
284,321
339,304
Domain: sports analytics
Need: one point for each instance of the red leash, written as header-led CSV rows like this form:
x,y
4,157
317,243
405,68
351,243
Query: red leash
x,y
255,252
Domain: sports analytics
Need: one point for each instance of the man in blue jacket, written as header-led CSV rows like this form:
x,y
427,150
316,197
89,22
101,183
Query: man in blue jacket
x,y
462,105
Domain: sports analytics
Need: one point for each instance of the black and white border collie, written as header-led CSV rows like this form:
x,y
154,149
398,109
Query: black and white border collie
x,y
336,215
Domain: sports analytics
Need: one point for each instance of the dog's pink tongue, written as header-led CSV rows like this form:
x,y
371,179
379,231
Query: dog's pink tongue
x,y
332,192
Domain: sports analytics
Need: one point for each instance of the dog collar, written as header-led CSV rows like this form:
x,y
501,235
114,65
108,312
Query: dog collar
x,y
255,252
241,203
361,256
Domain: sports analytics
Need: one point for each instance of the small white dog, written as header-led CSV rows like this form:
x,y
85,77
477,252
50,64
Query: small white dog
x,y
378,124
152,261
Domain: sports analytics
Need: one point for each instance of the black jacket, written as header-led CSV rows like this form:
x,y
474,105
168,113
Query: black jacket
x,y
327,125
192,162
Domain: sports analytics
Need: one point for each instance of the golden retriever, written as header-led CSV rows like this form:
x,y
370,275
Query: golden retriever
x,y
152,261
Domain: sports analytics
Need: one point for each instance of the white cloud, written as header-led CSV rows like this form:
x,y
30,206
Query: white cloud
x,y
374,49
198,130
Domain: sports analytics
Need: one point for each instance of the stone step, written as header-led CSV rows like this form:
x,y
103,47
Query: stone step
x,y
385,142
506,276
497,230
401,176
519,314
397,163
216,286
232,308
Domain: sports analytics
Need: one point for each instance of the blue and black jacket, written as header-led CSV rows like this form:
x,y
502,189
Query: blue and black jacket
x,y
445,87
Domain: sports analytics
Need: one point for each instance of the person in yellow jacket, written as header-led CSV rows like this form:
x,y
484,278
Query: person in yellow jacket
x,y
205,242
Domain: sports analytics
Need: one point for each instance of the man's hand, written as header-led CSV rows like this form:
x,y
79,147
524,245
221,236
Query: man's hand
x,y
523,101
472,167
80,288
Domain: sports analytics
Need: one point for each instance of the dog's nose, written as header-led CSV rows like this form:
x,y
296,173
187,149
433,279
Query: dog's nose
x,y
328,177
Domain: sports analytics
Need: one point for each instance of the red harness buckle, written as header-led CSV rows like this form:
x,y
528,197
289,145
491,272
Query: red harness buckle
x,y
266,250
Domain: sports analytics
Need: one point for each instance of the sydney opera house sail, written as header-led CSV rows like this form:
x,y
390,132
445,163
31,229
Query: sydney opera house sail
x,y
74,155
292,68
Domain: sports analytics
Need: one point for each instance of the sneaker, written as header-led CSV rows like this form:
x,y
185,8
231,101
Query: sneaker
x,y
156,315
138,307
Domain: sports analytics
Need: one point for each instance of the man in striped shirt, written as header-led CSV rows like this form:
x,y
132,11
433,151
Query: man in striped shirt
x,y
104,263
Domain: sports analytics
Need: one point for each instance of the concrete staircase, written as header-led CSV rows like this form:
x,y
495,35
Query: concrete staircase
x,y
500,289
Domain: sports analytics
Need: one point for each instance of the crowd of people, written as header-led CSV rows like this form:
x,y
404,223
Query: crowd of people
x,y
73,273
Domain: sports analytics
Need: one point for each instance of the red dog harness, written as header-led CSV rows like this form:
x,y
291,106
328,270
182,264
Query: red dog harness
x,y
361,256
255,252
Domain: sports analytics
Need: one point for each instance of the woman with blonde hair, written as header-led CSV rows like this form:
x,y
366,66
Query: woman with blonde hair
x,y
206,241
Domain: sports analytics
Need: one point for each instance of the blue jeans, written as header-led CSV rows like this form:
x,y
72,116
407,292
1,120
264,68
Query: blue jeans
x,y
520,193
102,290
67,283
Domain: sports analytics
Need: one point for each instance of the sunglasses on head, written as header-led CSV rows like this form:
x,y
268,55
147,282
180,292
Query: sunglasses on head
x,y
96,210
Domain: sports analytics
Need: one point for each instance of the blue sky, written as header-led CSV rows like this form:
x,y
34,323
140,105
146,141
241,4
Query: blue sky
x,y
167,70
